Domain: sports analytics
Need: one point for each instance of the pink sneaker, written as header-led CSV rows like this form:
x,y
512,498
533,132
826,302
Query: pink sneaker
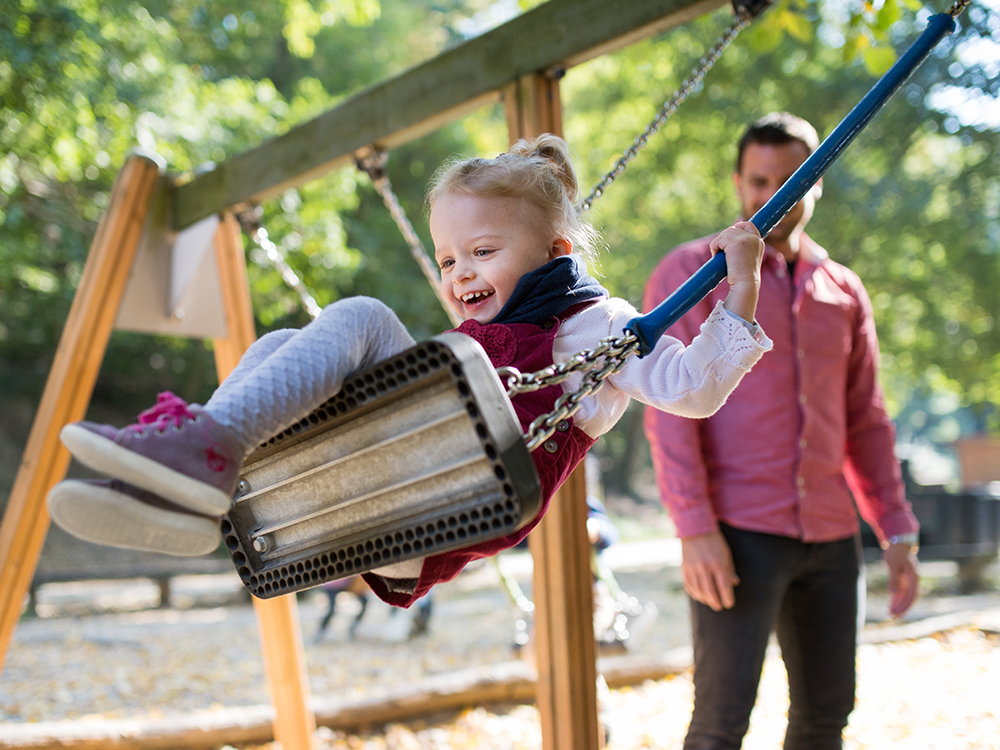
x,y
176,451
115,514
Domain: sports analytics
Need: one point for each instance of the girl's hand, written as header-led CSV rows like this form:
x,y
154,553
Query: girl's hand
x,y
744,252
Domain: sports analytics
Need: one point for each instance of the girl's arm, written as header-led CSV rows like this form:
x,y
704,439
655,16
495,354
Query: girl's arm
x,y
692,381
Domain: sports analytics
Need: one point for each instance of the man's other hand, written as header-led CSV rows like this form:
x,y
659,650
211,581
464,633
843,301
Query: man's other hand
x,y
707,568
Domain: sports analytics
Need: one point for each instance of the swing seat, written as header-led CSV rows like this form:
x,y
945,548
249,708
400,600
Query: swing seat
x,y
418,455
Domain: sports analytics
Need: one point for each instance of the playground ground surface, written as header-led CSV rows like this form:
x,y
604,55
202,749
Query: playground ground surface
x,y
98,655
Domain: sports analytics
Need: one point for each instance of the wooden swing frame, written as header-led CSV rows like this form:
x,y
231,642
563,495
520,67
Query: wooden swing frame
x,y
519,63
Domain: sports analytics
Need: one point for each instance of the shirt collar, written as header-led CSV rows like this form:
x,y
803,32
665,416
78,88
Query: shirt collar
x,y
810,253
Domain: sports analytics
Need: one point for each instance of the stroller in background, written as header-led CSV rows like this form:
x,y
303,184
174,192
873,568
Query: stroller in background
x,y
618,617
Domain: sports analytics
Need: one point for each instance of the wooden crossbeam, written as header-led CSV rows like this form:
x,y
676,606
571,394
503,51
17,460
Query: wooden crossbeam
x,y
559,33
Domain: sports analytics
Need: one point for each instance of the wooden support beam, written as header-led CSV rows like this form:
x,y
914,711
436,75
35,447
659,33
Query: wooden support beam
x,y
235,291
565,650
285,664
278,618
70,384
559,33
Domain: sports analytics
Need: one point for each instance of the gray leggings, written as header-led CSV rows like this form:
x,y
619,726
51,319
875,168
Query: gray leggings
x,y
286,374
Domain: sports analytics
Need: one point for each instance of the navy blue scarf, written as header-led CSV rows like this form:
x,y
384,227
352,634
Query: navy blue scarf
x,y
549,291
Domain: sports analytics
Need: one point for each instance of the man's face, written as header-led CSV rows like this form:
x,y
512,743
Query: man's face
x,y
765,168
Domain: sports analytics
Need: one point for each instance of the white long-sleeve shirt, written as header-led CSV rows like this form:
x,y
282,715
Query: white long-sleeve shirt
x,y
692,381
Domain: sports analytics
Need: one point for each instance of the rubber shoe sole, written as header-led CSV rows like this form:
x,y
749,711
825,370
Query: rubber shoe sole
x,y
108,457
99,514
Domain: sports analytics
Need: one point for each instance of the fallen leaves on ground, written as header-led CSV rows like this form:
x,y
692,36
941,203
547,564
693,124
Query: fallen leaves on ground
x,y
938,692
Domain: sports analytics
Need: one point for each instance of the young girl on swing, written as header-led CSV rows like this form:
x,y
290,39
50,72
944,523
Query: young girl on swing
x,y
510,245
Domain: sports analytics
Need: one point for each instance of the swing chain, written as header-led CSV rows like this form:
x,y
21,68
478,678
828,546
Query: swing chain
x,y
613,351
956,10
249,219
373,163
743,19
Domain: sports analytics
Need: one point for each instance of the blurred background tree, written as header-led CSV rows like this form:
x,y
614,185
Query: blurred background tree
x,y
913,206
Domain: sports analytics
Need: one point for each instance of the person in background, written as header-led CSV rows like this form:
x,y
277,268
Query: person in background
x,y
763,492
356,586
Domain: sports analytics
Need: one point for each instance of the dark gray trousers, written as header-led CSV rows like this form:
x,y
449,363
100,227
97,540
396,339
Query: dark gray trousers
x,y
809,595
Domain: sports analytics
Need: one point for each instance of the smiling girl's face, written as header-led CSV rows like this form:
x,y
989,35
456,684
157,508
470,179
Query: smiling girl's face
x,y
484,245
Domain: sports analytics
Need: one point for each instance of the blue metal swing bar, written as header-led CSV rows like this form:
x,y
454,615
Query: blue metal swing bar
x,y
649,327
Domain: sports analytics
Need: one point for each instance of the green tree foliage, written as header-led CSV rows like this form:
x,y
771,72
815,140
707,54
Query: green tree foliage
x,y
913,206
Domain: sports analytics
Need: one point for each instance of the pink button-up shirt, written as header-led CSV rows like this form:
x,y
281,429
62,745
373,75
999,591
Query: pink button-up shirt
x,y
805,428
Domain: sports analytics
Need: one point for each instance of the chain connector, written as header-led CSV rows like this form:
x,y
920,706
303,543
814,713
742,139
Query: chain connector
x,y
600,363
956,10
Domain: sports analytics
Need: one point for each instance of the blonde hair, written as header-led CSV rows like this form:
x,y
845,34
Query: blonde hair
x,y
538,171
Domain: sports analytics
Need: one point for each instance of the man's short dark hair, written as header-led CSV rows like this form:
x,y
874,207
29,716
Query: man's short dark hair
x,y
776,129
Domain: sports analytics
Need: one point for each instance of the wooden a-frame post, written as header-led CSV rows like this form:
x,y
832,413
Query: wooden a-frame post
x,y
67,393
277,618
70,384
565,649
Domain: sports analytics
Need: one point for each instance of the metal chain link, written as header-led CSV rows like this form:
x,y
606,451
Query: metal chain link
x,y
374,165
955,10
614,351
249,219
742,20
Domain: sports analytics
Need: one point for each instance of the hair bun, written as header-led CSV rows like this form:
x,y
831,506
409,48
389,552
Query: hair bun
x,y
554,150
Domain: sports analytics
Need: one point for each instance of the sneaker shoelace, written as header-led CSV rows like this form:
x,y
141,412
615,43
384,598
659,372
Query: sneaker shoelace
x,y
170,410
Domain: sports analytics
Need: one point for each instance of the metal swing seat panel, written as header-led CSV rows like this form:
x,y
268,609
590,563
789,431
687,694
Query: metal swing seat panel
x,y
418,455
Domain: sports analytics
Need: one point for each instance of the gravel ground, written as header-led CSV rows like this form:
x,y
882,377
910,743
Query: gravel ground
x,y
97,652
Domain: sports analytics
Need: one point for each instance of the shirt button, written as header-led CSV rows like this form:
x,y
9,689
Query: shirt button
x,y
550,445
802,443
802,353
801,481
802,399
562,426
